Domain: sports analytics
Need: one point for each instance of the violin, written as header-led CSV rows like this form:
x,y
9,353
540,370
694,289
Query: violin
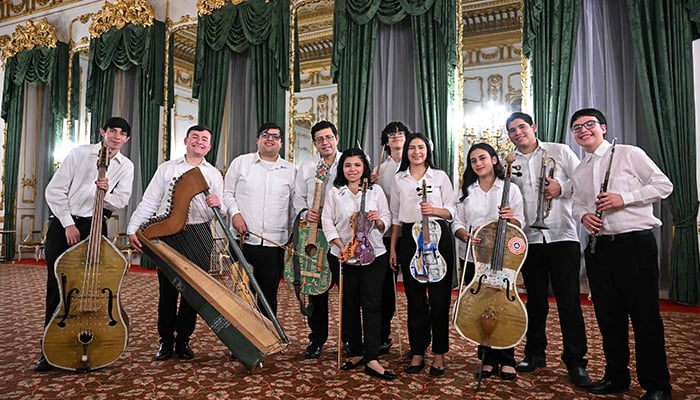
x,y
427,264
360,251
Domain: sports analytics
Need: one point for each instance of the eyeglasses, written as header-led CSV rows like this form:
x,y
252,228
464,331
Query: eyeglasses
x,y
396,134
268,135
321,139
588,125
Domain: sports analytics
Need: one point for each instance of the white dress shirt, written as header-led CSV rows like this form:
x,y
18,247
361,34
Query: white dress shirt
x,y
341,204
262,192
561,223
387,172
305,183
633,175
405,199
156,198
480,208
72,189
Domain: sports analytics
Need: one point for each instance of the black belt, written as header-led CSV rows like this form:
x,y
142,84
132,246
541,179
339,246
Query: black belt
x,y
623,236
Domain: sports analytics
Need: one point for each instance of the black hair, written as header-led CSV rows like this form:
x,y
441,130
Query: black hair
x,y
469,176
340,179
321,125
118,122
519,115
267,126
428,148
394,126
198,128
588,112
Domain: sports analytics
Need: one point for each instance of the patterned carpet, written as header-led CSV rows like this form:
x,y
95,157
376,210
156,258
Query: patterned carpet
x,y
211,375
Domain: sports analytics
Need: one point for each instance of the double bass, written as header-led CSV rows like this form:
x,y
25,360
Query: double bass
x,y
427,264
489,311
89,329
359,250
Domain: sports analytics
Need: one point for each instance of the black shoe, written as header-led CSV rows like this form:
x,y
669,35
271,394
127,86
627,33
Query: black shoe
x,y
387,375
346,349
485,373
384,347
165,351
313,350
435,371
43,365
348,365
507,376
183,350
531,363
579,377
606,386
232,356
656,395
414,369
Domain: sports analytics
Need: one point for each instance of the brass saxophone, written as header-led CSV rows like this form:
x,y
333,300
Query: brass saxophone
x,y
544,206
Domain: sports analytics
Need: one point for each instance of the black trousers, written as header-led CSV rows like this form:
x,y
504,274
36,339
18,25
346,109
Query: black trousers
x,y
431,313
318,320
268,265
623,275
177,323
388,298
558,263
362,290
56,245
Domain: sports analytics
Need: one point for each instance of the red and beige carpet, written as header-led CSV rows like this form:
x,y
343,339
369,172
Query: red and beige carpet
x,y
287,375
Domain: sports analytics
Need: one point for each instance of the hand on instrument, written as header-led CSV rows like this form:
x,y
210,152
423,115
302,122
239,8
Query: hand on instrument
x,y
239,223
373,216
552,189
313,216
213,201
592,223
473,238
607,201
426,208
506,213
135,242
72,235
374,178
102,183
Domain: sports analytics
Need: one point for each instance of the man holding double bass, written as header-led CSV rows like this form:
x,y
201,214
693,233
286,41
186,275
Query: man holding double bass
x,y
70,196
325,138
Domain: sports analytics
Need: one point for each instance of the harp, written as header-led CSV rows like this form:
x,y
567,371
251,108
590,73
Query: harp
x,y
234,318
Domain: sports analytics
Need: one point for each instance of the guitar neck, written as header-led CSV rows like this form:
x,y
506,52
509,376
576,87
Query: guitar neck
x,y
318,195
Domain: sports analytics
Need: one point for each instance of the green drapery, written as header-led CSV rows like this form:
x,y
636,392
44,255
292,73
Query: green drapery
x,y
662,36
256,26
549,42
435,46
131,46
40,65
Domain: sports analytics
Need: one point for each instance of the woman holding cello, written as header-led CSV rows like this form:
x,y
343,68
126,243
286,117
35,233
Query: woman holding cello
x,y
416,180
479,204
354,213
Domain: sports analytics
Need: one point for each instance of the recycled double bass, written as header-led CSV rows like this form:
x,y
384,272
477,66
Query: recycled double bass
x,y
89,329
489,311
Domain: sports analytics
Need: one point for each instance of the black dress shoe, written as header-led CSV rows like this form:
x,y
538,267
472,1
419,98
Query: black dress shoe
x,y
387,375
414,369
579,377
531,363
606,386
485,373
507,376
435,371
656,395
348,365
313,351
165,351
43,365
384,347
183,350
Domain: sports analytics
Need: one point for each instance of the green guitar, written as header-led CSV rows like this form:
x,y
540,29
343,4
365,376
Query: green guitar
x,y
306,268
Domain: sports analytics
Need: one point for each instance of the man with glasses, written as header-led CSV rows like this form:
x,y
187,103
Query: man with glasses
x,y
258,192
325,138
554,250
623,270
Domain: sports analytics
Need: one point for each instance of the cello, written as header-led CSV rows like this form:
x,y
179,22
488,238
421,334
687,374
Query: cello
x,y
89,329
427,264
359,250
489,311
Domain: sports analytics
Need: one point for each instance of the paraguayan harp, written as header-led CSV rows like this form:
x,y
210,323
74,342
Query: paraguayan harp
x,y
248,333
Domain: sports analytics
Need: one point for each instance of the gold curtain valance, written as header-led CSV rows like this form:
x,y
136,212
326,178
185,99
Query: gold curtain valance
x,y
119,14
26,37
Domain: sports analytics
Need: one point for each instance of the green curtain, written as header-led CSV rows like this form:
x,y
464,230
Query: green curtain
x,y
550,29
256,26
662,36
435,43
40,65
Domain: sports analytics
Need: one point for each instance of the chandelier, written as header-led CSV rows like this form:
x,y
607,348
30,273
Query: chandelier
x,y
488,125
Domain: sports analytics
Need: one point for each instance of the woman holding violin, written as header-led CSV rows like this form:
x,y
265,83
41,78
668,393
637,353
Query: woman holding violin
x,y
415,180
479,204
354,219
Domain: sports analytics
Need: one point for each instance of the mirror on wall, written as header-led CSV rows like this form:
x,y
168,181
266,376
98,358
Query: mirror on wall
x,y
185,108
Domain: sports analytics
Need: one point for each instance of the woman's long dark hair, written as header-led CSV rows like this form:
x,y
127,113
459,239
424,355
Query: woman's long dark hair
x,y
340,179
469,176
428,148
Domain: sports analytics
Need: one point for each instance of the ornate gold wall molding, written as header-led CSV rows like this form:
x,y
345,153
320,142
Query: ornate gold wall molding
x,y
10,10
119,14
206,7
26,37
